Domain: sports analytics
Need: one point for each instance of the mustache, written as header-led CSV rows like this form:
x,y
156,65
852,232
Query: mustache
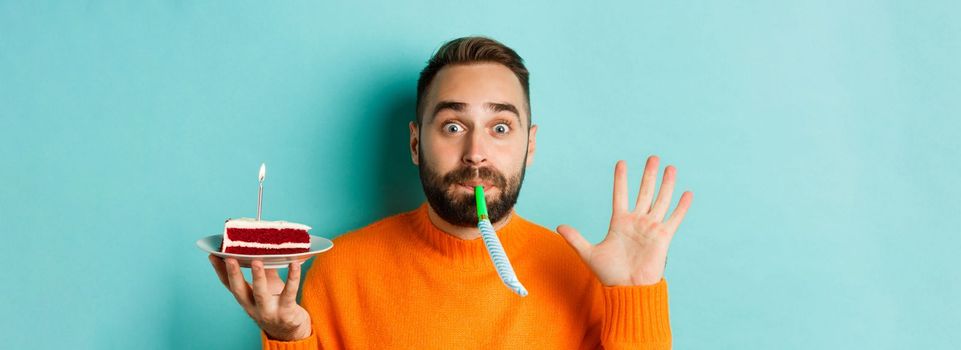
x,y
465,174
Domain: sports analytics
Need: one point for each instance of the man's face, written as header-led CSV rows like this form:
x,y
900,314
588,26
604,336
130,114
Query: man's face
x,y
474,132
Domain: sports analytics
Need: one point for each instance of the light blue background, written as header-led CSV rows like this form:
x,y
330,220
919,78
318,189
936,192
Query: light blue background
x,y
820,139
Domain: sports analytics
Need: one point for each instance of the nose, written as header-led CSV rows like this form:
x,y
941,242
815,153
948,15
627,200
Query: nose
x,y
475,149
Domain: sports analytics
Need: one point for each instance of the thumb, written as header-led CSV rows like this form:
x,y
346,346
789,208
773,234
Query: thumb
x,y
576,241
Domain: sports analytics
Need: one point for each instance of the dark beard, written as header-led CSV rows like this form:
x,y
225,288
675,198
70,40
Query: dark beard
x,y
461,210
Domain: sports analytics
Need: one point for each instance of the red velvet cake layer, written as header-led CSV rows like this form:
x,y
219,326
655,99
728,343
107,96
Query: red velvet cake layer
x,y
268,235
265,251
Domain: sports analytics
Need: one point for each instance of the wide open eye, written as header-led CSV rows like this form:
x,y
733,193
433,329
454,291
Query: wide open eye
x,y
453,128
502,128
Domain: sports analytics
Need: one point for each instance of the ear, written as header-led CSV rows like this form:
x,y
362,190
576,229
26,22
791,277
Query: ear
x,y
414,144
531,144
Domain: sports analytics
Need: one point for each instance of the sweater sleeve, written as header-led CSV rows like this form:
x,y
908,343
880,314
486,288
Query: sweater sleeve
x,y
636,317
309,343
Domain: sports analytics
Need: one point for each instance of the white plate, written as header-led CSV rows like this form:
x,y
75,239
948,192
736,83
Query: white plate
x,y
211,244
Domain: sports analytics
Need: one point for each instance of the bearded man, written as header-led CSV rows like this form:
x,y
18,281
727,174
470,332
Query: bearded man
x,y
424,279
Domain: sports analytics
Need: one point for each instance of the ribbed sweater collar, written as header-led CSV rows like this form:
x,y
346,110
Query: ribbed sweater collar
x,y
467,252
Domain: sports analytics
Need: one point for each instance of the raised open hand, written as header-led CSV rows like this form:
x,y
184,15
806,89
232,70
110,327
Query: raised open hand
x,y
634,251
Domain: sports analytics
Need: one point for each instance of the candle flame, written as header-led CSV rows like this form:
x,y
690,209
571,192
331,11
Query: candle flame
x,y
263,172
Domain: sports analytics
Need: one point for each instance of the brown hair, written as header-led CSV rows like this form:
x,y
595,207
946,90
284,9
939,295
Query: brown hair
x,y
467,50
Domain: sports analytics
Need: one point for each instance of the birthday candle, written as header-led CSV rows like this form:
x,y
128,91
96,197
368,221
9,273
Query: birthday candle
x,y
260,193
494,247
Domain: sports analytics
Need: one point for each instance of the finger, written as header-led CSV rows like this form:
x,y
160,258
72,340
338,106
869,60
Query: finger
x,y
663,201
261,292
576,241
273,277
289,295
220,268
620,187
238,285
274,282
646,194
678,215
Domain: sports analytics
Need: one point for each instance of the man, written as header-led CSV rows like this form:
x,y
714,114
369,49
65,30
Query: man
x,y
423,279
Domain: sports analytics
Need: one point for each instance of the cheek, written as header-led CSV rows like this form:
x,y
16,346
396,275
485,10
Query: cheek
x,y
510,156
440,156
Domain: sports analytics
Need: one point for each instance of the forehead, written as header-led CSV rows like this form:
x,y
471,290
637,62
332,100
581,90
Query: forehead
x,y
476,85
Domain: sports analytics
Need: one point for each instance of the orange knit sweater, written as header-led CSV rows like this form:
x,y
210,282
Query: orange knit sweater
x,y
401,283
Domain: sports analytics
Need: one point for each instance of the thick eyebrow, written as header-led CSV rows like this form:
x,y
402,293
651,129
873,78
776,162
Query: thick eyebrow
x,y
501,107
451,105
491,106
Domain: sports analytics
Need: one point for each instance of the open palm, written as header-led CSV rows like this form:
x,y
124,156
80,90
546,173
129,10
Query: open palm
x,y
634,252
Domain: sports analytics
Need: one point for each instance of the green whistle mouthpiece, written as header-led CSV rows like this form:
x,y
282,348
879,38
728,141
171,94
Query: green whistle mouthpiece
x,y
481,202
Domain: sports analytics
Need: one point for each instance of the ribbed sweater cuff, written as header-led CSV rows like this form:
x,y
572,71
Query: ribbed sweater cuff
x,y
309,343
636,317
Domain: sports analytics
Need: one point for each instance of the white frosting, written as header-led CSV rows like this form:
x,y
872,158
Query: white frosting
x,y
253,223
229,243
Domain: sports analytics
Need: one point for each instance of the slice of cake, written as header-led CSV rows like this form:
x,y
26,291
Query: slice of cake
x,y
251,237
